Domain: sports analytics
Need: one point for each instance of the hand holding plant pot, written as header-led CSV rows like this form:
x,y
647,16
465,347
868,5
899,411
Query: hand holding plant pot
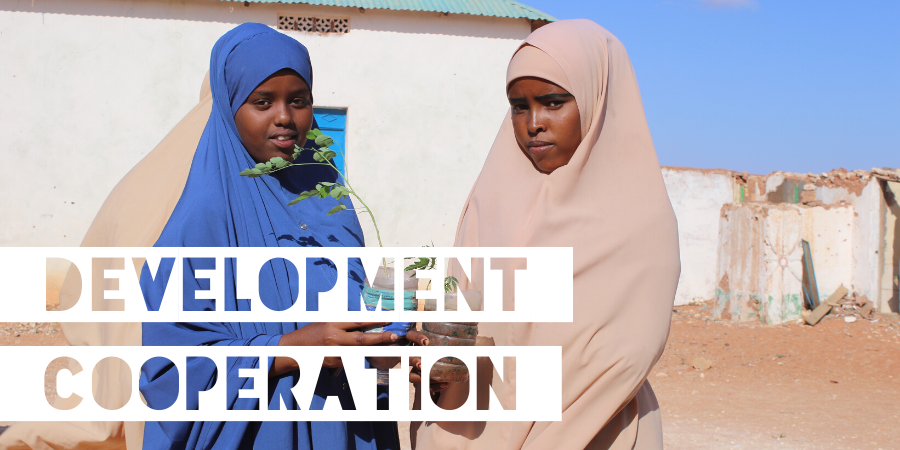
x,y
450,334
383,286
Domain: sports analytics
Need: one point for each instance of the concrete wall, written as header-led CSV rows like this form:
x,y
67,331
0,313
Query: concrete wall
x,y
697,197
889,295
760,267
868,224
87,88
760,263
867,236
829,231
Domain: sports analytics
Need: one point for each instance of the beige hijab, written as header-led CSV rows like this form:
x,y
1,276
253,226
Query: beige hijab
x,y
133,215
610,204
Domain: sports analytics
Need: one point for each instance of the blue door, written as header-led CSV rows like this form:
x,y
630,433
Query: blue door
x,y
333,122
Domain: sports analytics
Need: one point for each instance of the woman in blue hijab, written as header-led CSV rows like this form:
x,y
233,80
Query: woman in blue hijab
x,y
261,83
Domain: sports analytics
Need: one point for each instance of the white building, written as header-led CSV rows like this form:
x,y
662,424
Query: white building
x,y
88,87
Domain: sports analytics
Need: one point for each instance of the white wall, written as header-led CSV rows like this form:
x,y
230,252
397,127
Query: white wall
x,y
87,88
760,263
829,231
844,240
697,196
868,221
867,239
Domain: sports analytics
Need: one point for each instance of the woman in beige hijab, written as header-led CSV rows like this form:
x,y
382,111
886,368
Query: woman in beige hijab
x,y
574,166
133,215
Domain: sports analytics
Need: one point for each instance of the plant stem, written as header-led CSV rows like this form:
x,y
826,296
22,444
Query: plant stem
x,y
367,209
346,184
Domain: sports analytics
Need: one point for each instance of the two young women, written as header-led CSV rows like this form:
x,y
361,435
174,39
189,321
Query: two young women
x,y
573,166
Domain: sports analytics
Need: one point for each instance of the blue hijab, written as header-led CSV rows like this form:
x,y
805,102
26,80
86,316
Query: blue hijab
x,y
218,208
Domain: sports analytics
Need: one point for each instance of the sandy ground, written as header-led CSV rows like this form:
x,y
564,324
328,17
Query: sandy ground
x,y
832,386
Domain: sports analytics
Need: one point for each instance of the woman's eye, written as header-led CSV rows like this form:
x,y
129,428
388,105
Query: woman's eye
x,y
519,107
300,101
261,102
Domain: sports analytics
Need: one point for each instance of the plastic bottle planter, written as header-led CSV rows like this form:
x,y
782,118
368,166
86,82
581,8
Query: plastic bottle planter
x,y
383,289
372,296
451,334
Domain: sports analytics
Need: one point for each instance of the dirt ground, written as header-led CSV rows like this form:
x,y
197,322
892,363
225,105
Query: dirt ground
x,y
832,386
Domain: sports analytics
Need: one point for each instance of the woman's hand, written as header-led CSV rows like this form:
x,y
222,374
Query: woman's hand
x,y
329,334
415,373
387,362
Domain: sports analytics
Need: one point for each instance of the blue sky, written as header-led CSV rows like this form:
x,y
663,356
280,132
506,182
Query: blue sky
x,y
760,85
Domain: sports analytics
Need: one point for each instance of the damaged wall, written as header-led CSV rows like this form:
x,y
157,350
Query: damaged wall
x,y
760,263
760,266
889,298
697,196
842,214
868,219
829,231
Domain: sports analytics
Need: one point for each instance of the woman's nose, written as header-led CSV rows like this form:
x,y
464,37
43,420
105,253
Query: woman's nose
x,y
536,122
283,116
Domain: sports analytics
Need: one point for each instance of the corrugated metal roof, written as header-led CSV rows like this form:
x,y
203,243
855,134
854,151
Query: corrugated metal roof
x,y
493,8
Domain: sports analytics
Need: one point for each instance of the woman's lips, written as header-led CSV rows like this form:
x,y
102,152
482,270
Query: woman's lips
x,y
538,148
284,143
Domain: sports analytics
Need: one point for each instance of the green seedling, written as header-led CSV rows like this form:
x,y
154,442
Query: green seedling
x,y
323,156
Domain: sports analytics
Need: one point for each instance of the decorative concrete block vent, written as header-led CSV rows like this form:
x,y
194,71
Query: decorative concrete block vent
x,y
339,25
760,264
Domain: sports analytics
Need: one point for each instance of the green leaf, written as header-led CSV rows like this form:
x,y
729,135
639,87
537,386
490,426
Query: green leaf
x,y
316,133
245,173
422,263
338,192
261,166
303,196
329,154
324,141
319,156
337,209
450,284
325,183
310,134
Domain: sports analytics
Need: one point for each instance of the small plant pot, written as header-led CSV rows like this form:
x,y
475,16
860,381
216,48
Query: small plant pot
x,y
382,290
449,334
372,296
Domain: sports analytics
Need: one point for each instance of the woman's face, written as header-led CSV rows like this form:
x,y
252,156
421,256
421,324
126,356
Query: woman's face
x,y
546,122
276,116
